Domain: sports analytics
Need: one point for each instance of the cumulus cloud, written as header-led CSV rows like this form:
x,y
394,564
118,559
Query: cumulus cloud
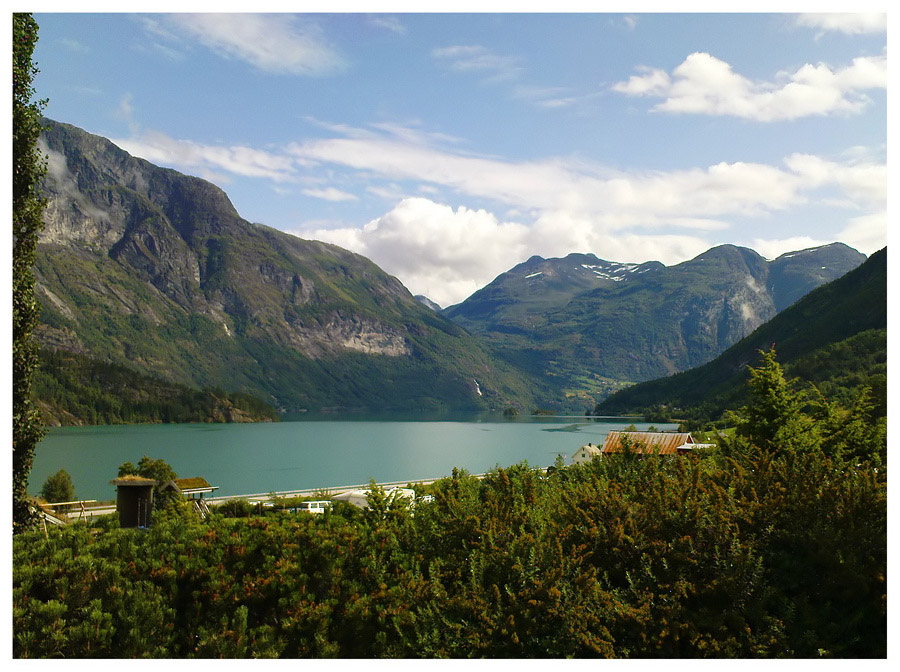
x,y
704,84
850,24
448,254
276,43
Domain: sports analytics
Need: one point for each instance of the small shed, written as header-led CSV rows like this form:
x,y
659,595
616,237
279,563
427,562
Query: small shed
x,y
585,454
134,500
649,443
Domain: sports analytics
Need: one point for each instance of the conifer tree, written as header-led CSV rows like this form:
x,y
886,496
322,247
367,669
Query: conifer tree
x,y
28,169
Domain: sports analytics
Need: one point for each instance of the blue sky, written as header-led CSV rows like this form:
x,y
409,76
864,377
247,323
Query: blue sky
x,y
449,147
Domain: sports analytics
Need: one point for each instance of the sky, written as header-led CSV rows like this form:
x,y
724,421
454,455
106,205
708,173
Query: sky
x,y
448,148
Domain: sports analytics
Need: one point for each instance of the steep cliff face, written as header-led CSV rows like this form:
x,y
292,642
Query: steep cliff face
x,y
145,266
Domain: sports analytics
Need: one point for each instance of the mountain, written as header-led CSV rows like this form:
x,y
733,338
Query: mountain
x,y
149,268
592,326
425,301
837,330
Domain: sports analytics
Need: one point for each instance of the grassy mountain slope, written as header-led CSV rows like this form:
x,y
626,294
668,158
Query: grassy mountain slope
x,y
592,326
146,267
844,318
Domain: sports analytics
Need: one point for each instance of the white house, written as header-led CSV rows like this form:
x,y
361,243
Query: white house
x,y
585,454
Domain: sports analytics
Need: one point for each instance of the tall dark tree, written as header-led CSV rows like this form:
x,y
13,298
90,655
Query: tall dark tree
x,y
28,169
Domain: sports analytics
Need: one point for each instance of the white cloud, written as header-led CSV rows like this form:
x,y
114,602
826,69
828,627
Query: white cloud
x,y
190,156
277,43
696,197
330,194
703,84
448,254
773,248
391,23
554,206
850,24
479,59
867,233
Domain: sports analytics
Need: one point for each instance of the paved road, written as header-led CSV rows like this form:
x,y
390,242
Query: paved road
x,y
270,496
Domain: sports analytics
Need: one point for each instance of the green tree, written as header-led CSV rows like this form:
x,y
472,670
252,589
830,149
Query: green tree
x,y
28,169
774,420
58,487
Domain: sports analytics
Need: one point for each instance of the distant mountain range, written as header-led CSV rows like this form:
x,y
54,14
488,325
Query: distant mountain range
x,y
145,267
837,331
593,326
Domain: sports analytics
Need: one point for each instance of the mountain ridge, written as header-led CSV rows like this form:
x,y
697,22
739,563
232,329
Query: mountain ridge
x,y
143,266
592,326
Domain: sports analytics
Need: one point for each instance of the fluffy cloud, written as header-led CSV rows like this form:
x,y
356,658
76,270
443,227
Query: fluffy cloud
x,y
703,84
274,43
850,24
448,254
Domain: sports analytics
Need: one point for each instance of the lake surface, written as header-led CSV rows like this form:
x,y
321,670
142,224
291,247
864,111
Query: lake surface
x,y
294,455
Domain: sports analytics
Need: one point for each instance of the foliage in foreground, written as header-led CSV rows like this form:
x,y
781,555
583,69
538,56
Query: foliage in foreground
x,y
757,555
775,545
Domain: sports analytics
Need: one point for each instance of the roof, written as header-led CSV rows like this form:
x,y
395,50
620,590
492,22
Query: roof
x,y
192,483
131,479
188,486
659,443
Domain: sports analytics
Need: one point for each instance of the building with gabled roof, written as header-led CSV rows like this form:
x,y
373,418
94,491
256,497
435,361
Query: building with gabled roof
x,y
585,454
649,443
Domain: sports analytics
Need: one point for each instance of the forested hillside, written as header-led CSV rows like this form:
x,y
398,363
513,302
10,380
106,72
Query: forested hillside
x,y
72,389
835,337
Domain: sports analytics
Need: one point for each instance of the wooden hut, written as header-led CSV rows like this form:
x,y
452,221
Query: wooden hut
x,y
134,500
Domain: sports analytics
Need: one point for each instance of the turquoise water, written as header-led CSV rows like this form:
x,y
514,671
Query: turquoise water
x,y
267,457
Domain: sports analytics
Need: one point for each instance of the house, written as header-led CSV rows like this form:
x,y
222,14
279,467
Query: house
x,y
134,500
585,454
650,443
